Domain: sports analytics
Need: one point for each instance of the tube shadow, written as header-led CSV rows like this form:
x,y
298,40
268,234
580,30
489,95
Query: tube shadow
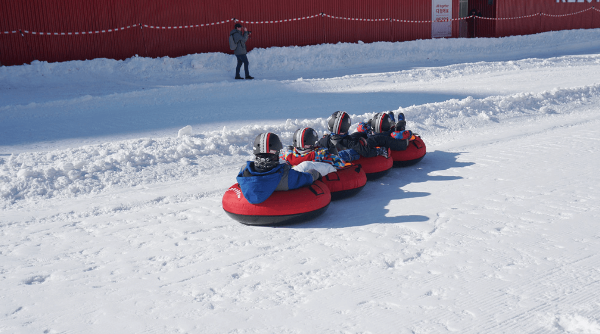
x,y
369,205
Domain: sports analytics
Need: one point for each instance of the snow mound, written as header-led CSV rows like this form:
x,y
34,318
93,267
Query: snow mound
x,y
91,169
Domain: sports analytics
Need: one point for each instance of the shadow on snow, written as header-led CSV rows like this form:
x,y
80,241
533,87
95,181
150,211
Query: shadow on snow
x,y
370,205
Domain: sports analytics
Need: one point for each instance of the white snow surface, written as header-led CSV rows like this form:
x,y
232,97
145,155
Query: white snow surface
x,y
112,174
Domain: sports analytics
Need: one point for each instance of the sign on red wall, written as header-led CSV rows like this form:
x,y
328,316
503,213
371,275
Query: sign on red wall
x,y
441,17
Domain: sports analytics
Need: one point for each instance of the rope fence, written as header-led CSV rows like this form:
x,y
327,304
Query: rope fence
x,y
21,46
23,31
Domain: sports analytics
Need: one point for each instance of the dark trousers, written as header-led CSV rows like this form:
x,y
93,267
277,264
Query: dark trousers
x,y
242,59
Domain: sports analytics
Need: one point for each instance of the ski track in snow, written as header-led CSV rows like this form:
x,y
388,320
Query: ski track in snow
x,y
495,231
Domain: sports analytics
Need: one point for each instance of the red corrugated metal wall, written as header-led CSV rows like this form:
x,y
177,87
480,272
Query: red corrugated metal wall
x,y
545,15
299,32
80,20
169,27
415,11
54,16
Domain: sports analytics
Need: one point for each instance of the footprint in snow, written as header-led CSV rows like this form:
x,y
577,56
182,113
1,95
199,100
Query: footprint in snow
x,y
39,279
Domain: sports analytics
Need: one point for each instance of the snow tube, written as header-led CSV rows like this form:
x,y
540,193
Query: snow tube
x,y
345,182
414,153
375,167
281,208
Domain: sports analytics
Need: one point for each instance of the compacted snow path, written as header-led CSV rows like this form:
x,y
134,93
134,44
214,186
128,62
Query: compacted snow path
x,y
494,231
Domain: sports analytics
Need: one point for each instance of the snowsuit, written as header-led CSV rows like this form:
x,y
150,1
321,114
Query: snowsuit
x,y
240,51
257,186
393,138
385,139
294,157
335,143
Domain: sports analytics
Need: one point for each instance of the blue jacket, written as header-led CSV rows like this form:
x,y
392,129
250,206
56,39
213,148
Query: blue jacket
x,y
257,187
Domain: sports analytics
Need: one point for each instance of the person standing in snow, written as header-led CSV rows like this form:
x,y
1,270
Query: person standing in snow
x,y
472,21
240,38
258,179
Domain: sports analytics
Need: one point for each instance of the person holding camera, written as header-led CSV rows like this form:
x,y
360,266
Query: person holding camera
x,y
240,38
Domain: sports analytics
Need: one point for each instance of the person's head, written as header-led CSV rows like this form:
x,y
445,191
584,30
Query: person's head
x,y
305,139
266,151
381,123
339,122
238,26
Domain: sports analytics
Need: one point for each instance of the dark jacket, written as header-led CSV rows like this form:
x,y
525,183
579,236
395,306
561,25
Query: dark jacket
x,y
240,39
385,140
336,143
257,186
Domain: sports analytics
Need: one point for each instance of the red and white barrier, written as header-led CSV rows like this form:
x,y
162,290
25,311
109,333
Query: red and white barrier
x,y
280,21
21,31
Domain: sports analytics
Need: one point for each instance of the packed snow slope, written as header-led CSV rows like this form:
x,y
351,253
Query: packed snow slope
x,y
111,218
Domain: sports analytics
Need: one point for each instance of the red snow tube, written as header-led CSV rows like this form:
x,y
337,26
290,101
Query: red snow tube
x,y
414,153
345,182
281,208
375,167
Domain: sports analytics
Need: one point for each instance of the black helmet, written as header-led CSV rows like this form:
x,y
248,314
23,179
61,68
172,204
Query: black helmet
x,y
381,123
305,138
267,143
339,122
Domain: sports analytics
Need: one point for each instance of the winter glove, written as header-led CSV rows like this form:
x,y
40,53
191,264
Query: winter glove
x,y
364,127
383,151
404,134
348,155
315,175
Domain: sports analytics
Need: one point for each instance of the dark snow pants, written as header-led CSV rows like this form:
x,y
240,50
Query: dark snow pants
x,y
242,59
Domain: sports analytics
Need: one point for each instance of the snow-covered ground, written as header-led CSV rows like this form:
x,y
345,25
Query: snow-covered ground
x,y
112,223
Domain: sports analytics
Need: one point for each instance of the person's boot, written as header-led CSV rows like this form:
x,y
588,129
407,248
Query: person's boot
x,y
383,151
249,77
401,124
238,77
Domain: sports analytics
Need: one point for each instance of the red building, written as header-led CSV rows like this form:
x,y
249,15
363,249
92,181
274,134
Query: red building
x,y
60,30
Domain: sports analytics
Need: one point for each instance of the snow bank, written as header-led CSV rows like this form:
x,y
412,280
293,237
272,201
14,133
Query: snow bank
x,y
91,169
315,58
456,115
575,323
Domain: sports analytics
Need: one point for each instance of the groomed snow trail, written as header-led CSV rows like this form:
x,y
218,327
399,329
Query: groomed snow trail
x,y
494,231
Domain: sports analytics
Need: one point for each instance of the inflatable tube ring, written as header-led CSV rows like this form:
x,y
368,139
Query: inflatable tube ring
x,y
281,208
